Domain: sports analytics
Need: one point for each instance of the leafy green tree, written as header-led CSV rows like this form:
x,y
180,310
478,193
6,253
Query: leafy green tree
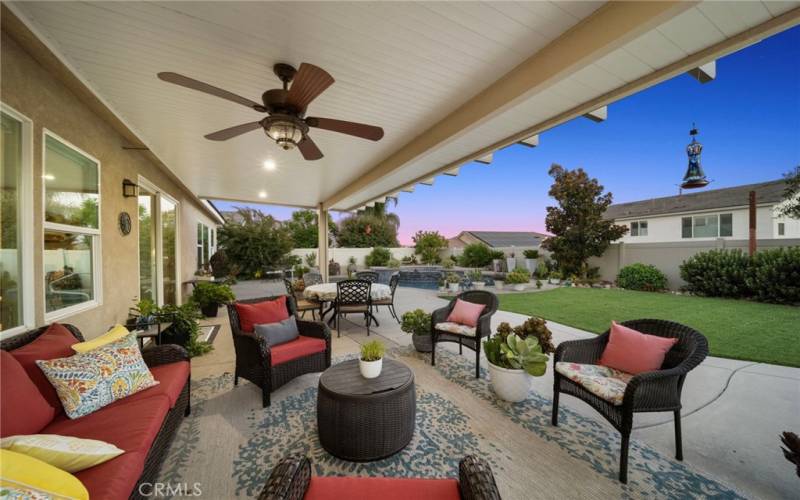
x,y
476,255
259,243
577,224
791,195
362,231
428,245
304,229
381,211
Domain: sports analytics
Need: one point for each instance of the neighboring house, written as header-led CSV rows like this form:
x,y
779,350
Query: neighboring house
x,y
706,215
498,239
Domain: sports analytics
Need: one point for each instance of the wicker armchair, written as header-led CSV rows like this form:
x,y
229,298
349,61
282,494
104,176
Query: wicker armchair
x,y
389,303
291,478
654,391
483,329
254,359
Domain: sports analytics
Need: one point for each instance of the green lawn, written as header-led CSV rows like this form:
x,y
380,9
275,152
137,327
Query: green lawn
x,y
735,329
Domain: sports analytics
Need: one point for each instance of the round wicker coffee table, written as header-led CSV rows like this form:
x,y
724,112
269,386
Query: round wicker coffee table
x,y
363,419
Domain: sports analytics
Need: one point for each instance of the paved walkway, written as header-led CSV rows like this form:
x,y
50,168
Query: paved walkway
x,y
734,411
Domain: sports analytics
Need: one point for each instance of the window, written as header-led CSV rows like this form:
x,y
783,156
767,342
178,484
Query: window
x,y
71,267
707,226
16,221
639,228
205,244
781,229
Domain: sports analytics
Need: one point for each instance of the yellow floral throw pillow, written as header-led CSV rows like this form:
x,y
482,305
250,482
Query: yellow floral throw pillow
x,y
25,477
65,452
89,381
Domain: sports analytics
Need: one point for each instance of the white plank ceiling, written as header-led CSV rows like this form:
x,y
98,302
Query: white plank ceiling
x,y
402,66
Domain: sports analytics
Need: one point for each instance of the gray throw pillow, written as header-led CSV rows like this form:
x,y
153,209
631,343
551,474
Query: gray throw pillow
x,y
278,333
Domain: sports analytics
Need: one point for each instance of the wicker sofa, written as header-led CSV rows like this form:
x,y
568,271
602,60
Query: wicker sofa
x,y
291,479
142,424
255,360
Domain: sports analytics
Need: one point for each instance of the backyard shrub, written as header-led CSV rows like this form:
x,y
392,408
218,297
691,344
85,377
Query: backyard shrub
x,y
775,275
542,272
476,255
379,256
644,277
717,273
531,254
518,276
428,245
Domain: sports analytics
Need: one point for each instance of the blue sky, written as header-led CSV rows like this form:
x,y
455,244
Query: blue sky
x,y
749,122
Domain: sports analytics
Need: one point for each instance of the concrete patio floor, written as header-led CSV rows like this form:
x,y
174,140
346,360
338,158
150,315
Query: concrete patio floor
x,y
734,411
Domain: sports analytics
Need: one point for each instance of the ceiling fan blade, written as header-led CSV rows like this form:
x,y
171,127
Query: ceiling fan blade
x,y
230,133
185,81
350,128
308,83
309,149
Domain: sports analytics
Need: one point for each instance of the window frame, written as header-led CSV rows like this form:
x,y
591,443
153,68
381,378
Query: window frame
x,y
781,229
706,216
639,228
26,232
95,234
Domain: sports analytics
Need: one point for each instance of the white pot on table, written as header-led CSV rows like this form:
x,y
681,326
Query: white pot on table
x,y
370,369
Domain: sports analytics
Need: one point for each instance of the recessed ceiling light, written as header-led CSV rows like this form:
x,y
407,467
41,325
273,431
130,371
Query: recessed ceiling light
x,y
269,165
49,177
262,194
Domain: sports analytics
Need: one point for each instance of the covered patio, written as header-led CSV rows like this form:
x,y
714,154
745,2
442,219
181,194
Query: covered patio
x,y
447,85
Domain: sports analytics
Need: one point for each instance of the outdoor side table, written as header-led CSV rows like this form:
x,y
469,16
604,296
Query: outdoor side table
x,y
363,419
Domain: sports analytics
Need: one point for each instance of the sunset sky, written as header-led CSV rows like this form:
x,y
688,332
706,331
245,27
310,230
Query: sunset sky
x,y
749,122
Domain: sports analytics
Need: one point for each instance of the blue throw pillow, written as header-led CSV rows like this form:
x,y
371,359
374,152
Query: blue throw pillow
x,y
278,333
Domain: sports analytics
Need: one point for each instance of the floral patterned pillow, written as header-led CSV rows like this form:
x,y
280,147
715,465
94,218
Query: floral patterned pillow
x,y
89,381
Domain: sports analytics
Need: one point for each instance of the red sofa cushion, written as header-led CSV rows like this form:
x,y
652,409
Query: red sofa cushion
x,y
115,479
132,426
171,379
268,311
381,488
298,348
55,342
24,409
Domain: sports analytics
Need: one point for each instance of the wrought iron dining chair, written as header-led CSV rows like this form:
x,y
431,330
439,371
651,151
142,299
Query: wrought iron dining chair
x,y
370,276
303,304
353,297
389,303
312,278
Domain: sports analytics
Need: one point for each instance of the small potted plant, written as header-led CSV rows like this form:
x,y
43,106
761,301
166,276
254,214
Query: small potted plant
x,y
334,268
418,324
147,310
352,267
453,281
538,284
209,296
514,357
531,258
371,361
519,277
555,277
476,277
442,284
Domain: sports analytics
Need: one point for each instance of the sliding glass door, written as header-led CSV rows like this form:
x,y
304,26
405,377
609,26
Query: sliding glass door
x,y
147,246
169,252
158,245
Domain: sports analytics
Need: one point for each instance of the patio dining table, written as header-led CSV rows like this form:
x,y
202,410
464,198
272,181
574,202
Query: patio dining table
x,y
326,292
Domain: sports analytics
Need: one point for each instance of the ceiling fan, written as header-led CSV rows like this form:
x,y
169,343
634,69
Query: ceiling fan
x,y
286,124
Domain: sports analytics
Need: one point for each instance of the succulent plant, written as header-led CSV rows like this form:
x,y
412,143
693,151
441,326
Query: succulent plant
x,y
532,327
515,353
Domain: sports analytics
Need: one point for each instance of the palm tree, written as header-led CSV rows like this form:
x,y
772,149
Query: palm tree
x,y
379,210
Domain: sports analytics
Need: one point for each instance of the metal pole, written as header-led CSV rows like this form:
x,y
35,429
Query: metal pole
x,y
322,243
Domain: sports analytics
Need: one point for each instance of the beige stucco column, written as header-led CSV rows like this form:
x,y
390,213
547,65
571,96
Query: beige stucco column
x,y
322,254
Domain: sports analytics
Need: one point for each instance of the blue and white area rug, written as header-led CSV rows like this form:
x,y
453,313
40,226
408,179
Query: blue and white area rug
x,y
229,444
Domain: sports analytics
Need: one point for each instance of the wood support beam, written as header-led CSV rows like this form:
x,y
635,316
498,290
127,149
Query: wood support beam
x,y
486,160
597,115
704,73
531,141
428,181
322,242
607,29
452,172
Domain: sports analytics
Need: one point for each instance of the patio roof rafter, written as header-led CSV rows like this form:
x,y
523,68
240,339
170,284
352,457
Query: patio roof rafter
x,y
737,42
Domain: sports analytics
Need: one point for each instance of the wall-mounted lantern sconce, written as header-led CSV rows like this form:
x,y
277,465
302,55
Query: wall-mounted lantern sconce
x,y
129,188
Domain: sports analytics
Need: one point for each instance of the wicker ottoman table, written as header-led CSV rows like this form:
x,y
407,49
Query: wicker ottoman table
x,y
363,419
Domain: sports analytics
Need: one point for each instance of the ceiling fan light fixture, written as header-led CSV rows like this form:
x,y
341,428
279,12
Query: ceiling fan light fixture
x,y
286,133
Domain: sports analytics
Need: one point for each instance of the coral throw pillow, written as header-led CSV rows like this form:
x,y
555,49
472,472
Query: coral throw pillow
x,y
91,380
25,410
634,352
55,342
269,311
465,313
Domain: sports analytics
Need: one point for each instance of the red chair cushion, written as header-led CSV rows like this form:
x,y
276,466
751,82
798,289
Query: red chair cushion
x,y
24,409
298,348
634,352
268,311
132,426
54,343
171,379
381,488
115,479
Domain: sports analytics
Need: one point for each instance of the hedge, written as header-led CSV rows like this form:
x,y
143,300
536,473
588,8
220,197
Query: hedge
x,y
645,277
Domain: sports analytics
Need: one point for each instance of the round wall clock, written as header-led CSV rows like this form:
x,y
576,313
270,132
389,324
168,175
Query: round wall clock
x,y
124,223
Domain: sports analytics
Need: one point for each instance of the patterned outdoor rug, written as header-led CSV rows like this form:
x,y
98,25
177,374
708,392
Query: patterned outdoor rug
x,y
229,444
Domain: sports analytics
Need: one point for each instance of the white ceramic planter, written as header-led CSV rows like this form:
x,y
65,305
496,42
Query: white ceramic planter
x,y
519,287
478,284
555,281
442,289
370,369
510,385
498,284
453,287
531,265
511,263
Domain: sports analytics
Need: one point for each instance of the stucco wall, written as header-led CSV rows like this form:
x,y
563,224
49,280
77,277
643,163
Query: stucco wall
x,y
32,91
